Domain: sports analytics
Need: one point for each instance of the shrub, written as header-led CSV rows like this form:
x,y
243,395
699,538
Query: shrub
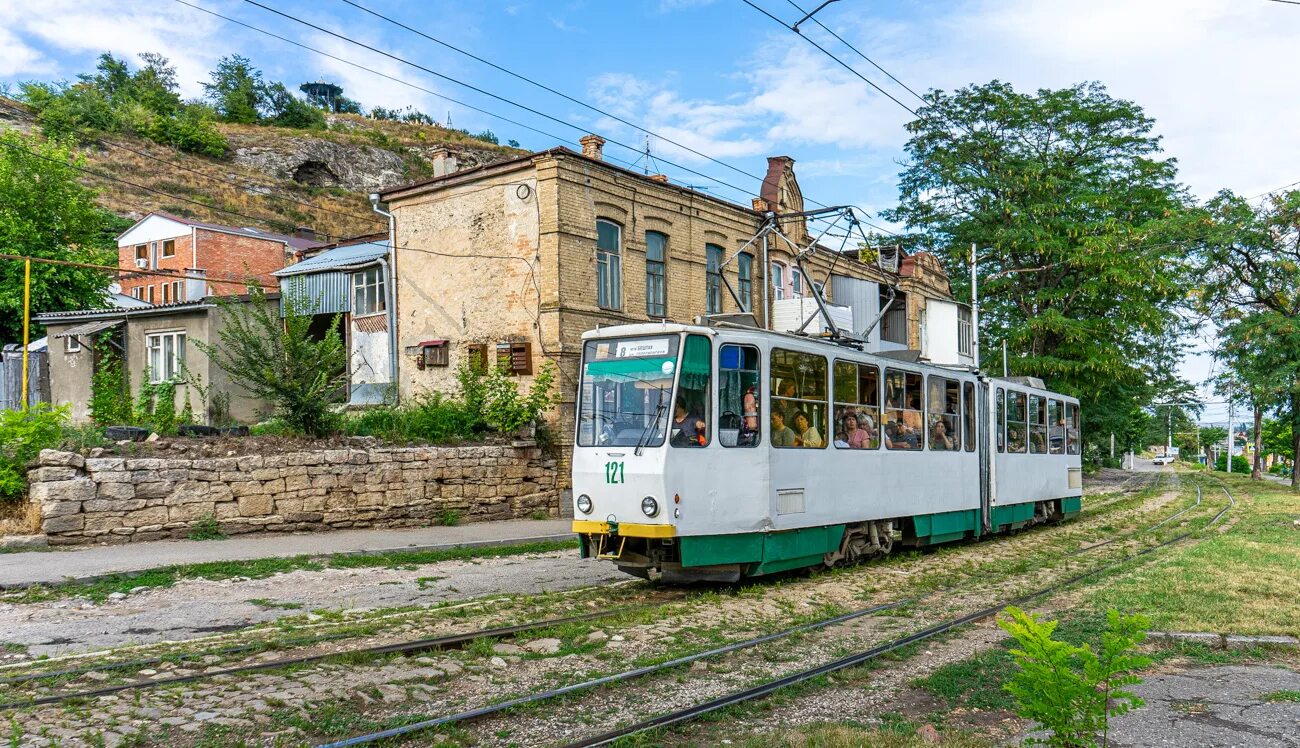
x,y
431,418
110,403
505,409
23,434
206,528
1239,464
193,130
280,361
1072,691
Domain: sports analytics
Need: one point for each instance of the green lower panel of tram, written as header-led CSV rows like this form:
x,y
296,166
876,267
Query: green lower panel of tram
x,y
771,551
946,526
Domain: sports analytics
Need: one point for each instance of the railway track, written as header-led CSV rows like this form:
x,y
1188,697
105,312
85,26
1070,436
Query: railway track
x,y
771,686
854,660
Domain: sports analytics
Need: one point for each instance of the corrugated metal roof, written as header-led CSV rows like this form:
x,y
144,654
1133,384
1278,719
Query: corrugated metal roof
x,y
88,328
297,242
351,255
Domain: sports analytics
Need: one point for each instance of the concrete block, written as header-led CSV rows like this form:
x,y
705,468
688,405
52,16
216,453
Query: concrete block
x,y
1236,641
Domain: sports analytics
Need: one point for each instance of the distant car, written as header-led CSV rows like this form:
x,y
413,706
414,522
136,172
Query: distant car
x,y
1163,460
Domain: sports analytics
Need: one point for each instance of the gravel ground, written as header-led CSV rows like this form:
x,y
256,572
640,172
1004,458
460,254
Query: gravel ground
x,y
439,685
193,608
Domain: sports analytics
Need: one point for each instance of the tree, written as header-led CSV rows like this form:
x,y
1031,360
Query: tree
x,y
1250,271
1067,196
287,110
280,361
45,212
1211,436
236,90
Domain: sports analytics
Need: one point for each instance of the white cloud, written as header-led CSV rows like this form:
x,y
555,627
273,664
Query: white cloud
x,y
19,59
370,89
125,29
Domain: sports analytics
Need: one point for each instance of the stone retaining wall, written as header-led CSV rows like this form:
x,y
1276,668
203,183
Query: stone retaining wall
x,y
124,499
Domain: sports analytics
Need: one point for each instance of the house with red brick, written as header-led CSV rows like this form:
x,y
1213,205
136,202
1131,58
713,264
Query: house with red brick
x,y
209,259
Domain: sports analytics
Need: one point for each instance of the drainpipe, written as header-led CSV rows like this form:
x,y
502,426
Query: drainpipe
x,y
390,282
767,274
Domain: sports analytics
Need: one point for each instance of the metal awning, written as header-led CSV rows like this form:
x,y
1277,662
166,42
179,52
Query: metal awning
x,y
89,328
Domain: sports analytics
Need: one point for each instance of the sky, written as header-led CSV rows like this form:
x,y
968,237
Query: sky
x,y
716,77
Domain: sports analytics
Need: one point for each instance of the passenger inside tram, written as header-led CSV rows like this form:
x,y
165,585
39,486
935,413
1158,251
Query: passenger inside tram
x,y
939,438
782,435
852,434
806,435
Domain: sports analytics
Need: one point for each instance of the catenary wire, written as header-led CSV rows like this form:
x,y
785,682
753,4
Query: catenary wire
x,y
859,52
386,76
481,91
470,106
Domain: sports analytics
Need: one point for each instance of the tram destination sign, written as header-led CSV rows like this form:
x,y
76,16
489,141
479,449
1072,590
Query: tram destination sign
x,y
642,347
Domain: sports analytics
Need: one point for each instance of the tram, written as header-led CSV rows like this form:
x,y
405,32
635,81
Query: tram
x,y
716,452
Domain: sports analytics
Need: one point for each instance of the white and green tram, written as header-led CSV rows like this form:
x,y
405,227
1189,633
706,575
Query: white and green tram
x,y
719,452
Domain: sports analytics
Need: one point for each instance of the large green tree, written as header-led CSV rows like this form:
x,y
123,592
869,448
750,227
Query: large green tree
x,y
1066,194
1250,276
45,212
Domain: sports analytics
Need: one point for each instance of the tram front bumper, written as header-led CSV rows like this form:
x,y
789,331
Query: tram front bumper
x,y
626,529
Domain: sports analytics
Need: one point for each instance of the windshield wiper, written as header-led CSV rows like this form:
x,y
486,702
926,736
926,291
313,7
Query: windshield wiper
x,y
654,422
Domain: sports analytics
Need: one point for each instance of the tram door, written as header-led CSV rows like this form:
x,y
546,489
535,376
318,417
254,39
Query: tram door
x,y
985,458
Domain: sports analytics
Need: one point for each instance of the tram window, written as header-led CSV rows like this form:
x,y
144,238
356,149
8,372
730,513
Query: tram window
x,y
1055,427
1000,424
1017,426
905,420
968,403
798,399
1072,428
689,424
740,396
1037,425
857,406
945,412
625,397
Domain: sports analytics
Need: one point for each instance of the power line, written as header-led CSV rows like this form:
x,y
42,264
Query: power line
x,y
1286,2
113,269
476,89
470,106
119,146
549,89
392,78
855,49
827,52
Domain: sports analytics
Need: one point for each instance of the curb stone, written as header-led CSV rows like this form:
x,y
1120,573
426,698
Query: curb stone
x,y
1226,641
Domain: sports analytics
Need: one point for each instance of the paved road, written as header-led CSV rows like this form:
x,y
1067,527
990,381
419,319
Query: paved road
x,y
46,567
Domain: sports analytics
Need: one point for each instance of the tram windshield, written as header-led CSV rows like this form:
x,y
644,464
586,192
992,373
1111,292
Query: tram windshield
x,y
626,395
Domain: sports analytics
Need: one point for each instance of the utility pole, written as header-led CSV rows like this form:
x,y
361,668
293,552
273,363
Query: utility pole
x,y
1112,445
1230,439
1169,424
975,308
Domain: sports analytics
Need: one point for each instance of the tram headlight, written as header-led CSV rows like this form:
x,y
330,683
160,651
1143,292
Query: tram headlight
x,y
584,504
649,507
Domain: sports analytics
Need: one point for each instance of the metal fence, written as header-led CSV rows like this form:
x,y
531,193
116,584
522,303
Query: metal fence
x,y
11,377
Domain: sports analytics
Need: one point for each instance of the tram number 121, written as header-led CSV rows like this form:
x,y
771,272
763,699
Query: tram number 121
x,y
614,472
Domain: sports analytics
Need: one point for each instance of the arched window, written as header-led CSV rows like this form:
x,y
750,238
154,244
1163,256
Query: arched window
x,y
609,265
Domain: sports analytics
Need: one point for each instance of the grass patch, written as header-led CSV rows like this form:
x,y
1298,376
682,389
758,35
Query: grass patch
x,y
1239,581
262,602
99,590
1281,696
893,734
206,528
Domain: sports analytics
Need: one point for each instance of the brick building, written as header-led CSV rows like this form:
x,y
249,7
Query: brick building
x,y
513,261
226,256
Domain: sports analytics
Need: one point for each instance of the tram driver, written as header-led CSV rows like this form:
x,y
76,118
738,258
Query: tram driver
x,y
688,427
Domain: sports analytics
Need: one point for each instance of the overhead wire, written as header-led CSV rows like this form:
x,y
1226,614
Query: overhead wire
x,y
480,110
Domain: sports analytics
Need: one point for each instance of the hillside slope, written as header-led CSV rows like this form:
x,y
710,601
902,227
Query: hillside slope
x,y
272,178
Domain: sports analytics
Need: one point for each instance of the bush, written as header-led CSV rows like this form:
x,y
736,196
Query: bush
x,y
505,409
23,434
432,418
280,361
192,130
1069,690
1239,464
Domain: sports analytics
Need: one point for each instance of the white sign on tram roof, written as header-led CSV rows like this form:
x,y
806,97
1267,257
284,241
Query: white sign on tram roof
x,y
643,347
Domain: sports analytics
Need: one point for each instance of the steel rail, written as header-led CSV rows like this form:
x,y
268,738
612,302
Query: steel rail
x,y
418,645
854,660
614,678
1127,535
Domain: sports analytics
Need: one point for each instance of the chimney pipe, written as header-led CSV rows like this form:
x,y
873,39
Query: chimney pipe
x,y
444,162
305,232
592,146
659,178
